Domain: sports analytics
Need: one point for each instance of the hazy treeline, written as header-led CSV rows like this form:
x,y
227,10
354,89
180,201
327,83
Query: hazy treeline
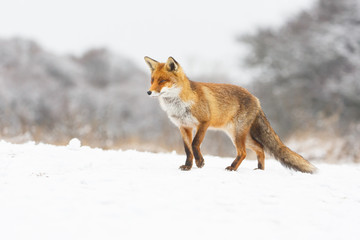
x,y
98,97
309,73
50,98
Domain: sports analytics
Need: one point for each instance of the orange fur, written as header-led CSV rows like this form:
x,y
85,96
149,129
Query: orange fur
x,y
199,106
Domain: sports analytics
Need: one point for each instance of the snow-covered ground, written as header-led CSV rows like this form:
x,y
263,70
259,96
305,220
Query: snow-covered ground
x,y
72,192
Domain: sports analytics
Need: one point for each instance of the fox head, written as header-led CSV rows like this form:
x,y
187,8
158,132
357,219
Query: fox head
x,y
166,78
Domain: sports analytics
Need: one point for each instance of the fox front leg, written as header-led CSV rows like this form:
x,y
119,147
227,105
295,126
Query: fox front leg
x,y
199,137
186,134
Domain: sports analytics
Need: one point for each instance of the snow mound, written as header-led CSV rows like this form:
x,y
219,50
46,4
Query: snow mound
x,y
74,144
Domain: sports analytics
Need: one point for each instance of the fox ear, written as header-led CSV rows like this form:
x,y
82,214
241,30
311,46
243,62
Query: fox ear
x,y
151,62
172,65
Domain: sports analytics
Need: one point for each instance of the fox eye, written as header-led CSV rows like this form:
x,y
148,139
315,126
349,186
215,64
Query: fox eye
x,y
162,81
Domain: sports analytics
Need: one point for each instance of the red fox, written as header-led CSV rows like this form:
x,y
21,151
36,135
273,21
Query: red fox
x,y
233,109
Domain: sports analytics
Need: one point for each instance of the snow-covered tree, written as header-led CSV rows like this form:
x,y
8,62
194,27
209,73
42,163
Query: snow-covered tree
x,y
308,69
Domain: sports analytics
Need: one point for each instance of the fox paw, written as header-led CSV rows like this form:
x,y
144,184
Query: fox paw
x,y
230,168
258,169
200,163
185,168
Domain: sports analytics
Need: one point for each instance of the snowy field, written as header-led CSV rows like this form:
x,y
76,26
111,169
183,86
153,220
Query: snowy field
x,y
72,192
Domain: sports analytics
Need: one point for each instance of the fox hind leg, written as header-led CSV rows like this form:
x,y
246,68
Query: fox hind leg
x,y
239,142
258,149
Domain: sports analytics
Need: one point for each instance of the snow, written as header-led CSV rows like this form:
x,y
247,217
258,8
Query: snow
x,y
53,192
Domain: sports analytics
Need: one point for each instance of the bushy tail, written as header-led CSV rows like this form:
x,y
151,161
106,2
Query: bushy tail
x,y
262,132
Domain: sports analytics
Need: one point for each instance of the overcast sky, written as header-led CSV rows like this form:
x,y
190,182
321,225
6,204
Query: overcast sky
x,y
199,34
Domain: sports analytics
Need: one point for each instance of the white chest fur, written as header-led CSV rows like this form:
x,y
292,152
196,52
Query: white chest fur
x,y
178,111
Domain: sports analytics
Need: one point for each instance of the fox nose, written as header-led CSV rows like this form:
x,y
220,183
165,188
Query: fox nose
x,y
149,92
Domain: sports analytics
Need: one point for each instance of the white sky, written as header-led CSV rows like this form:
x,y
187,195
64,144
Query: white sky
x,y
199,34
